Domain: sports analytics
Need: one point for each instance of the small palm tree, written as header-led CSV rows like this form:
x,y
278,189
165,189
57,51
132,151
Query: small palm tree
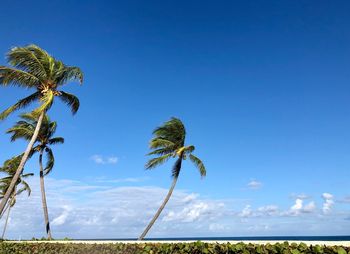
x,y
169,142
32,67
9,168
25,129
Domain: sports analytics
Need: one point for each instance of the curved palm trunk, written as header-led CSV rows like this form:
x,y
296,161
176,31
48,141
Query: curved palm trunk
x,y
176,176
7,206
22,163
7,219
43,197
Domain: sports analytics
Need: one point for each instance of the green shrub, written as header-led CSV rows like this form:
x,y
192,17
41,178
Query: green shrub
x,y
166,248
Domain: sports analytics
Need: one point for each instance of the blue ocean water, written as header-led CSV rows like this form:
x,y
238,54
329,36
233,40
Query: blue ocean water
x,y
243,238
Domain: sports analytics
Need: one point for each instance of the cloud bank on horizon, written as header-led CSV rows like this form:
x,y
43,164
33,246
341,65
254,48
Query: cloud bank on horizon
x,y
95,210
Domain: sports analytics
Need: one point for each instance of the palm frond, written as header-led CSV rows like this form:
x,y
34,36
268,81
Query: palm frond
x,y
16,77
189,149
173,131
161,151
57,140
69,73
71,100
176,168
152,163
46,103
21,130
20,104
199,164
25,187
50,161
158,142
30,59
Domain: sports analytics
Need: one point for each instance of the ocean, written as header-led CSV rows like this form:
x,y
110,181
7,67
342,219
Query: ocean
x,y
238,238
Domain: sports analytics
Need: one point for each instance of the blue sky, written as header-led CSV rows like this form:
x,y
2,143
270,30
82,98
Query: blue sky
x,y
262,87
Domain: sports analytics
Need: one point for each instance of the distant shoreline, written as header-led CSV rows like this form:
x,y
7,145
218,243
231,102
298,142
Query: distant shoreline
x,y
327,243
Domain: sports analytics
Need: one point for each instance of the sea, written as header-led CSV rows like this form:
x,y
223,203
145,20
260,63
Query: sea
x,y
238,238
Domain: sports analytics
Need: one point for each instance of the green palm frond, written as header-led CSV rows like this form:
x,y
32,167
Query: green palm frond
x,y
176,168
71,100
9,168
189,149
161,151
152,163
46,103
161,143
20,104
25,187
69,73
30,59
50,161
199,164
57,140
16,77
22,129
173,131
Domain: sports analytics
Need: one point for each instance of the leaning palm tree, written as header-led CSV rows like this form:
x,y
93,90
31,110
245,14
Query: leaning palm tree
x,y
32,67
9,168
25,129
169,142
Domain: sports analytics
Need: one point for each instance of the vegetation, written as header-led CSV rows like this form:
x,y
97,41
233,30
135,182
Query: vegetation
x,y
33,68
166,248
9,168
25,129
169,142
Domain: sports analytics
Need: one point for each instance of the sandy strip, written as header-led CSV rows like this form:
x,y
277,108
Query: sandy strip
x,y
328,243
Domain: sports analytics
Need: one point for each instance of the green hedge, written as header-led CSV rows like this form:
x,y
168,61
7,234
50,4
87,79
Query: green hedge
x,y
160,248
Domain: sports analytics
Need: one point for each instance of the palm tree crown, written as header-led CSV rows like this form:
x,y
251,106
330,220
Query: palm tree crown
x,y
25,128
9,168
33,67
168,142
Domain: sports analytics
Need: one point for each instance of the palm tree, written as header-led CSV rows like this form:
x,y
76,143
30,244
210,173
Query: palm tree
x,y
169,142
32,67
9,168
25,129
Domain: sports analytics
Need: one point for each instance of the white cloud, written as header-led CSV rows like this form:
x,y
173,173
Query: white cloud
x,y
100,211
269,210
328,203
299,208
246,212
61,219
99,159
253,184
310,207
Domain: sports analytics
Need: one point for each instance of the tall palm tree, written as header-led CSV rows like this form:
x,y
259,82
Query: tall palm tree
x,y
169,142
32,67
9,168
25,129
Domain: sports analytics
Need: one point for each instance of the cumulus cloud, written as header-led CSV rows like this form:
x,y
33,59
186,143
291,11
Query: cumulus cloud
x,y
99,159
246,212
254,185
100,211
328,203
299,208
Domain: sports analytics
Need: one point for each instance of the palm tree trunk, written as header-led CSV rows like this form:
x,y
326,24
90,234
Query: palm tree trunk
x,y
43,197
7,206
177,164
7,219
22,163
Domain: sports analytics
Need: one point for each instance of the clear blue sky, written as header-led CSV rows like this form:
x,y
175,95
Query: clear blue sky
x,y
263,88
